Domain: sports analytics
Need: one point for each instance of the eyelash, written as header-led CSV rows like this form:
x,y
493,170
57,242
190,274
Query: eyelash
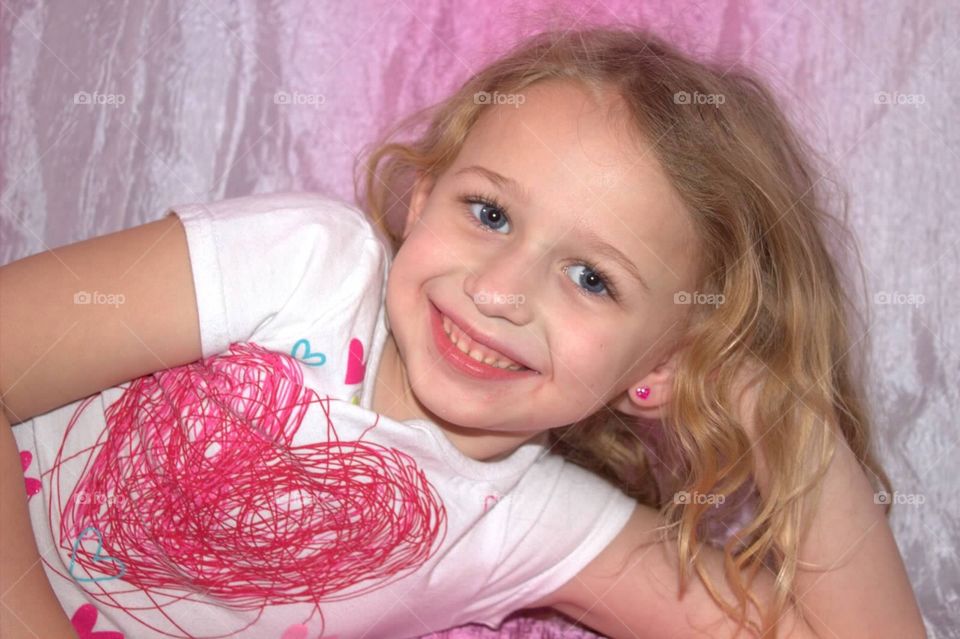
x,y
493,202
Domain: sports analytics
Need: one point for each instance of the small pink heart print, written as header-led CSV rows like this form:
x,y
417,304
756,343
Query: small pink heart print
x,y
83,621
33,485
299,631
356,368
296,631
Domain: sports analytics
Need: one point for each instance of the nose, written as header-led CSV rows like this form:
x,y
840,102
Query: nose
x,y
502,285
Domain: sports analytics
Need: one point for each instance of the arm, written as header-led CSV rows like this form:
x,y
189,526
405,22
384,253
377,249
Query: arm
x,y
860,586
865,592
626,593
862,589
53,352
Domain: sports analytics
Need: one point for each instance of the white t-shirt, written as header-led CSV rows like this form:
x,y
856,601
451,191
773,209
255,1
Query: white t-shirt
x,y
253,493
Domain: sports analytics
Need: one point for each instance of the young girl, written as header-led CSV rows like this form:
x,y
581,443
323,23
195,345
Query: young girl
x,y
590,302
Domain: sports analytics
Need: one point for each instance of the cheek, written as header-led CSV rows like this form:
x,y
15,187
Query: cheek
x,y
410,261
423,249
412,267
400,286
585,358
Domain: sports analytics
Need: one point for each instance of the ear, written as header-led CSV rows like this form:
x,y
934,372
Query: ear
x,y
660,382
422,187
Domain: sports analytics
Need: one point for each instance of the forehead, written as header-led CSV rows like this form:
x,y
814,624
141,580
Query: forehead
x,y
582,160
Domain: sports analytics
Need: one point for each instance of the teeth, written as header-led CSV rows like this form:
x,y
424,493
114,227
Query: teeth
x,y
463,343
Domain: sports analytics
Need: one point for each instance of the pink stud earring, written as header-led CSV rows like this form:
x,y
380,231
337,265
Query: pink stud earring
x,y
643,392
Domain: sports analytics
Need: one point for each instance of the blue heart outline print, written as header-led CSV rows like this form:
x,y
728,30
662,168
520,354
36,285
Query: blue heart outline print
x,y
97,557
307,354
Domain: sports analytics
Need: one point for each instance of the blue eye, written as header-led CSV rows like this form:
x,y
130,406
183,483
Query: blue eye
x,y
589,278
492,216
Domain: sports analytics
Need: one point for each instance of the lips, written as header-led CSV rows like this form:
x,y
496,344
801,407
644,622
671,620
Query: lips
x,y
461,361
488,344
477,350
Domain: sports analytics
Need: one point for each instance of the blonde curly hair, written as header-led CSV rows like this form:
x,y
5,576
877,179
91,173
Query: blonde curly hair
x,y
748,183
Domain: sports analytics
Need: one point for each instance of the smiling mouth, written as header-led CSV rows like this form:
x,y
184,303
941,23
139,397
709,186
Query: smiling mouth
x,y
477,351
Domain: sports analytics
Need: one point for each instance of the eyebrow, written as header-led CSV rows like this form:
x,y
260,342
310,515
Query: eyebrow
x,y
594,241
597,244
507,184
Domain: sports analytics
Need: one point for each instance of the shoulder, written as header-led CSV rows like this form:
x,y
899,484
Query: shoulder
x,y
280,207
281,223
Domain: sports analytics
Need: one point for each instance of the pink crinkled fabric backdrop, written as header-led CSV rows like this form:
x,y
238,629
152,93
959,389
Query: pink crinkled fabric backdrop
x,y
194,101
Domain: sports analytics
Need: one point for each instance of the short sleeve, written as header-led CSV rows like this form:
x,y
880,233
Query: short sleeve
x,y
561,517
263,262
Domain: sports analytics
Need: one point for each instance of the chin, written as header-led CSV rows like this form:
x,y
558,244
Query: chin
x,y
443,406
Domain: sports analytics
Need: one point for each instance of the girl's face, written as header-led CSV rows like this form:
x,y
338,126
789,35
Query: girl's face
x,y
512,240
